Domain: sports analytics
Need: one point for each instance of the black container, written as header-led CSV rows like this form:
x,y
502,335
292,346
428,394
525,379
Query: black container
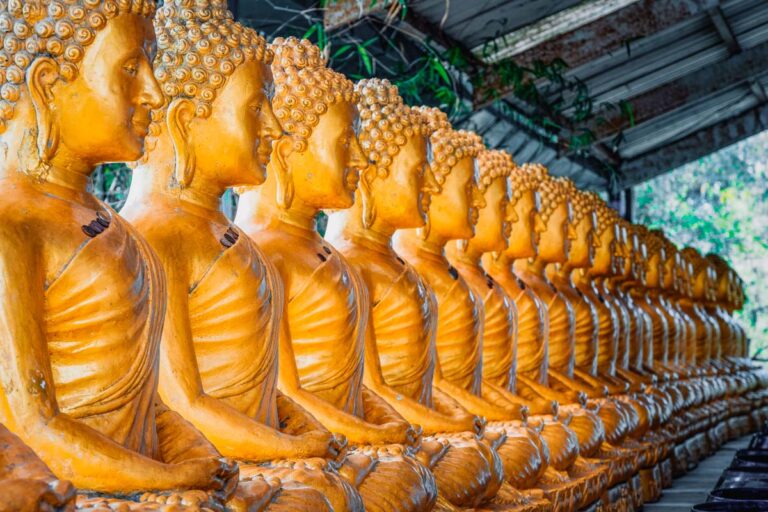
x,y
746,506
750,494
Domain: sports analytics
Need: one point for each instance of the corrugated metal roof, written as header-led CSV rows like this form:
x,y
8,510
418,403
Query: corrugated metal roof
x,y
694,71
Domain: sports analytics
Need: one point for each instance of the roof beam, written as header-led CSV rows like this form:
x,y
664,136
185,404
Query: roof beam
x,y
615,32
724,29
688,89
550,27
694,146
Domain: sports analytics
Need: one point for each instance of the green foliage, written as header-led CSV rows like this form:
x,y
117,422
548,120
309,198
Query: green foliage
x,y
110,183
720,204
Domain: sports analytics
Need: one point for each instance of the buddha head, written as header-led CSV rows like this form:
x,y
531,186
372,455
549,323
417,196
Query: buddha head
x,y
722,287
670,259
76,83
397,181
605,235
493,225
652,265
216,82
584,223
698,273
552,224
455,200
524,208
623,249
316,163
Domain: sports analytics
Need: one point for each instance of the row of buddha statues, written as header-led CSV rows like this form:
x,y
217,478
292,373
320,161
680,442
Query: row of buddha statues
x,y
469,334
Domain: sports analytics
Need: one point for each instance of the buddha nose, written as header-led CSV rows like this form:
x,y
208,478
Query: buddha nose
x,y
150,93
271,128
538,223
510,215
570,232
430,185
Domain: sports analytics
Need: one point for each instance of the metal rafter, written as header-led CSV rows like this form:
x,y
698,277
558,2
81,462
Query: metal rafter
x,y
694,146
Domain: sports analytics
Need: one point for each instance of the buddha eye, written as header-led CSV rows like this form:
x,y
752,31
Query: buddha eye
x,y
132,68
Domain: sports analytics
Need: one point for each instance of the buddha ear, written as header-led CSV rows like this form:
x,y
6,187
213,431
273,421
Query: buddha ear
x,y
178,118
367,176
41,75
281,150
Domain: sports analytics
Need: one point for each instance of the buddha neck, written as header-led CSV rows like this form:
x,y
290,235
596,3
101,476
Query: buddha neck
x,y
533,265
155,178
412,240
465,253
67,175
377,237
258,207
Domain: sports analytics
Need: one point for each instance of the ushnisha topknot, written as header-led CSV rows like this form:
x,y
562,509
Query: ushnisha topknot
x,y
692,255
653,243
670,249
304,87
520,181
582,203
606,216
448,145
59,29
553,191
199,45
386,122
494,164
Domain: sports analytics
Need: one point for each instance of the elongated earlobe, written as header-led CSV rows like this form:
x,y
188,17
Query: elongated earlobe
x,y
41,75
279,164
181,111
369,205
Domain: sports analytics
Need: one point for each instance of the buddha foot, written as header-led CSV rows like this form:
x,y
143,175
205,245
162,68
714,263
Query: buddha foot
x,y
636,492
563,492
651,482
593,474
186,501
679,461
666,473
512,500
618,499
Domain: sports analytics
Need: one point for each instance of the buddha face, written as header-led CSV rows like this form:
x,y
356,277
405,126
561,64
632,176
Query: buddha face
x,y
668,272
653,270
399,197
493,224
555,242
453,211
582,253
628,249
326,173
243,126
523,239
603,261
102,115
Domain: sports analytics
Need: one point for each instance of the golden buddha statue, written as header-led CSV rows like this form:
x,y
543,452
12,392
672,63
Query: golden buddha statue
x,y
697,276
26,481
400,342
665,300
219,348
459,329
322,335
498,336
84,294
553,227
580,256
716,309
